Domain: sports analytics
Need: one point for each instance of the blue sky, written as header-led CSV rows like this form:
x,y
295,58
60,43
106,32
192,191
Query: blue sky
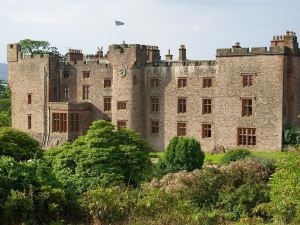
x,y
202,26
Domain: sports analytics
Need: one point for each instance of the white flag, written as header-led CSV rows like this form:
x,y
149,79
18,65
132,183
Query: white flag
x,y
119,23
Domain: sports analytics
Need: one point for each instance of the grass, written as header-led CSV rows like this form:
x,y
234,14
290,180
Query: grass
x,y
215,158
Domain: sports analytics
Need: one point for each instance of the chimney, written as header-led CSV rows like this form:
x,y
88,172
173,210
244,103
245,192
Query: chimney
x,y
153,53
237,45
182,53
169,56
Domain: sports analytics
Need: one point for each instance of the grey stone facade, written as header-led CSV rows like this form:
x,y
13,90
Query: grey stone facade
x,y
139,77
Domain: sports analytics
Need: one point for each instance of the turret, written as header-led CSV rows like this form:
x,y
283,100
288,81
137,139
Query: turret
x,y
288,40
13,52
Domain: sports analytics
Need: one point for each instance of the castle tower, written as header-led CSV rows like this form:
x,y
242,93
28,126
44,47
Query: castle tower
x,y
128,63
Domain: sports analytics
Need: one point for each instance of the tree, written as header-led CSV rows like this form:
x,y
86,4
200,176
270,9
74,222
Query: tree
x,y
18,144
103,157
182,153
29,46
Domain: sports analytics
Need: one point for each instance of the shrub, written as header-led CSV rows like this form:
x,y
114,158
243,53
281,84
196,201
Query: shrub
x,y
18,145
103,157
246,171
108,205
182,153
285,189
200,186
17,208
155,206
234,155
291,136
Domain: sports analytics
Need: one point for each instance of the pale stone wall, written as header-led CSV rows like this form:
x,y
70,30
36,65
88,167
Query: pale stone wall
x,y
275,93
267,94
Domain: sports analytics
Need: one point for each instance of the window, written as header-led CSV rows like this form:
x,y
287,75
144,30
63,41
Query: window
x,y
85,90
206,106
107,83
181,128
74,122
121,124
154,83
246,107
154,127
107,103
86,74
121,105
247,80
247,136
66,74
59,122
182,82
29,122
134,80
207,82
29,99
206,130
66,92
154,104
181,105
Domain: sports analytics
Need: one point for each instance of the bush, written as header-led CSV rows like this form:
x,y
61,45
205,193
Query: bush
x,y
18,145
182,153
235,155
285,189
199,186
108,205
291,136
17,208
155,206
101,158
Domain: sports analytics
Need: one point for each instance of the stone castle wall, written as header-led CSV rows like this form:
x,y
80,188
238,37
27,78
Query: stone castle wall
x,y
275,92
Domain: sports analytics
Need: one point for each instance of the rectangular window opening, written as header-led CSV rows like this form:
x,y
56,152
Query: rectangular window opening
x,y
181,107
181,128
247,136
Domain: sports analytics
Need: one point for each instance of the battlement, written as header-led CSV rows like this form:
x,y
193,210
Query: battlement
x,y
278,50
280,45
211,63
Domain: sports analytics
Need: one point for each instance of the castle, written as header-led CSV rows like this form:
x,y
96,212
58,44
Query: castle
x,y
243,98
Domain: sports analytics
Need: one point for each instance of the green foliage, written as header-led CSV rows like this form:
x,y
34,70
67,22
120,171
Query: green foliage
x,y
18,144
29,46
235,155
17,208
291,135
285,189
108,205
241,200
5,105
204,189
103,157
155,206
245,187
182,153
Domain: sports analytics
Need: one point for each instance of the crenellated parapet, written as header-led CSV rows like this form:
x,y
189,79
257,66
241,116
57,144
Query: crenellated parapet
x,y
227,52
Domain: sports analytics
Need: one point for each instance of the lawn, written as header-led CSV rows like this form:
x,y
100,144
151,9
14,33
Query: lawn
x,y
215,158
210,158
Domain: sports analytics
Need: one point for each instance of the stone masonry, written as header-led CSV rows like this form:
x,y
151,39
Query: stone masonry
x,y
244,97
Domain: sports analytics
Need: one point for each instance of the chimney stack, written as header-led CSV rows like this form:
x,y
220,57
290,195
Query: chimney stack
x,y
182,53
169,56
